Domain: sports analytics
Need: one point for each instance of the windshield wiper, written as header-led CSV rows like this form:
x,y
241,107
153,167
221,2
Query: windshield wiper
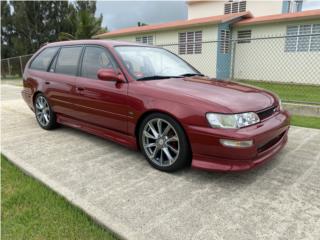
x,y
154,77
191,75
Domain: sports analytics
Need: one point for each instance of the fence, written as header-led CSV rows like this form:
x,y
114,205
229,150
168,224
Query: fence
x,y
286,65
12,68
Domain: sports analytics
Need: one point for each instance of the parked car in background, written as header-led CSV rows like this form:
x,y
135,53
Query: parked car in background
x,y
147,98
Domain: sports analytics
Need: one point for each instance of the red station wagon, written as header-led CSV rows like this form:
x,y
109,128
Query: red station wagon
x,y
148,98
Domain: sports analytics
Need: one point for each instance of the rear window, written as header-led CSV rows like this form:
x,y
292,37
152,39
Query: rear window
x,y
68,60
43,60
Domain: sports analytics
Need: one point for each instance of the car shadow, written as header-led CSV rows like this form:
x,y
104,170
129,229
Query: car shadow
x,y
189,174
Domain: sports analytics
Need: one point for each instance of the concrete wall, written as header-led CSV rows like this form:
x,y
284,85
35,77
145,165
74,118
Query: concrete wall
x,y
204,62
213,8
205,9
266,59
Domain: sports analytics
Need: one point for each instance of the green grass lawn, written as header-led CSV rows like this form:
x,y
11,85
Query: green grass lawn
x,y
290,91
303,121
29,210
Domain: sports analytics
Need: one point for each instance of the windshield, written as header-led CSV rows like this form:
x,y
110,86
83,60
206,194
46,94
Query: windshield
x,y
146,63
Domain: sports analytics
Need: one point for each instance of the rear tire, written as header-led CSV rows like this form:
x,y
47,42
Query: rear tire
x,y
46,118
164,143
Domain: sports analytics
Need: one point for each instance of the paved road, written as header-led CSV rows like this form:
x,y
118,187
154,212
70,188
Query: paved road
x,y
279,200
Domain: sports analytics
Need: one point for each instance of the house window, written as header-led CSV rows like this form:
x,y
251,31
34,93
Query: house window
x,y
300,39
235,6
224,41
145,40
294,6
244,36
190,42
315,40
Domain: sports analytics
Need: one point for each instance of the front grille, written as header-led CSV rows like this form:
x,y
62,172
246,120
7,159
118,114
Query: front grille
x,y
265,113
271,143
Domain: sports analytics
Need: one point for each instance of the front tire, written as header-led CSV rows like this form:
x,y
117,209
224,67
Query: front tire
x,y
46,118
164,143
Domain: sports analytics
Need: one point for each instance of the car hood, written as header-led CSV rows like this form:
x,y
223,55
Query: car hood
x,y
231,96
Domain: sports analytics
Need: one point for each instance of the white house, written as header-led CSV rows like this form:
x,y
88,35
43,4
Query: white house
x,y
262,50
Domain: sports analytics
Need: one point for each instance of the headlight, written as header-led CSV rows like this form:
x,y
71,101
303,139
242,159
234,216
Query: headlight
x,y
232,120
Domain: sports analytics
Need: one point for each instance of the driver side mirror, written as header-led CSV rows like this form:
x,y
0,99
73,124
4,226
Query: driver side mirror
x,y
109,75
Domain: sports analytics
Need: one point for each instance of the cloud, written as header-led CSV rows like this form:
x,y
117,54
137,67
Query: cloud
x,y
121,14
311,4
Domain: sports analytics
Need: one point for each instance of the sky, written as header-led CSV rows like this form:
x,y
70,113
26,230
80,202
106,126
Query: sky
x,y
122,14
311,4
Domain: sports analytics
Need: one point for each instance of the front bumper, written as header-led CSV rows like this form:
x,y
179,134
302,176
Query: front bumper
x,y
268,136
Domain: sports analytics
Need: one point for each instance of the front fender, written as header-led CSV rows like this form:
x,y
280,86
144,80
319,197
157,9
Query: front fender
x,y
184,114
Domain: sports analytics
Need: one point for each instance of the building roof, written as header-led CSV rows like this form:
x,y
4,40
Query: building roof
x,y
197,1
175,25
304,15
247,19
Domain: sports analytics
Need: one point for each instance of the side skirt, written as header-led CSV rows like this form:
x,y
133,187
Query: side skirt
x,y
112,135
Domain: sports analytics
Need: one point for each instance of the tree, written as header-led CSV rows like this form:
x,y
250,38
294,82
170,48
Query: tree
x,y
84,21
6,29
26,25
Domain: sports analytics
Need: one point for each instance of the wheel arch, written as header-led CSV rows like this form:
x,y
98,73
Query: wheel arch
x,y
35,95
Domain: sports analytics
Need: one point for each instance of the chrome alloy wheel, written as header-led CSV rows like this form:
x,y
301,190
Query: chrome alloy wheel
x,y
161,142
42,111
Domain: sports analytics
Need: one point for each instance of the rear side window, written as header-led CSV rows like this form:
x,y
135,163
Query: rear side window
x,y
43,60
95,58
68,60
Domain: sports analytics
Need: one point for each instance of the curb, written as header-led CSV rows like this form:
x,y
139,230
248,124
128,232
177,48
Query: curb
x,y
302,109
92,212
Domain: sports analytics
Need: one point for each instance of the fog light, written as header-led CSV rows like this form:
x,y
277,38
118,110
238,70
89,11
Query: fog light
x,y
236,144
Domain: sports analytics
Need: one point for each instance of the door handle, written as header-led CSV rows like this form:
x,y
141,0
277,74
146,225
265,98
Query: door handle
x,y
47,82
80,88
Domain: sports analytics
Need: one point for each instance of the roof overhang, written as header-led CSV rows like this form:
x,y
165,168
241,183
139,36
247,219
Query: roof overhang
x,y
199,1
287,17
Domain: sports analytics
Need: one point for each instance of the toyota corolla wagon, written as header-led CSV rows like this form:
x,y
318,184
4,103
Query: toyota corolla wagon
x,y
149,99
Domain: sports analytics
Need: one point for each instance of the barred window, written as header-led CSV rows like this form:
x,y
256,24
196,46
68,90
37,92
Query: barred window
x,y
294,6
244,36
235,6
190,42
224,41
291,42
315,40
304,41
299,38
145,39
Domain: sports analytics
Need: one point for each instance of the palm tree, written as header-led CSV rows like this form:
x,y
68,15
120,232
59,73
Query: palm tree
x,y
84,23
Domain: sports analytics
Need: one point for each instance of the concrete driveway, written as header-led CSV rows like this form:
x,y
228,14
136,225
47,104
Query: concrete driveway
x,y
117,187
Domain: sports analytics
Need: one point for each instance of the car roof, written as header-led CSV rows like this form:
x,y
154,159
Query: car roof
x,y
107,43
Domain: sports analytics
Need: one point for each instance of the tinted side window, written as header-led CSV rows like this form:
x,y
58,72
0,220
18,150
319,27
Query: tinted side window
x,y
68,60
42,61
95,58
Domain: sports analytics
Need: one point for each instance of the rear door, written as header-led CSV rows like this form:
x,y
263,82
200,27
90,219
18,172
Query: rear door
x,y
103,103
61,80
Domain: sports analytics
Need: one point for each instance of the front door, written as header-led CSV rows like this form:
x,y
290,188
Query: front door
x,y
102,103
